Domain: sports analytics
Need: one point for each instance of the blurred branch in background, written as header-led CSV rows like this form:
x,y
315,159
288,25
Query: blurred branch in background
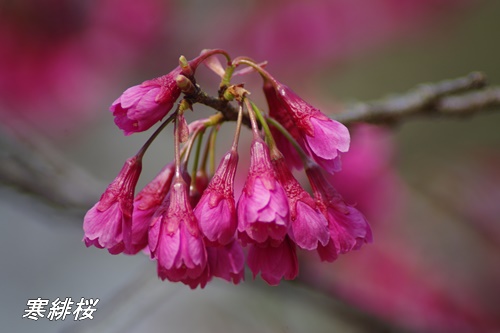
x,y
30,163
457,97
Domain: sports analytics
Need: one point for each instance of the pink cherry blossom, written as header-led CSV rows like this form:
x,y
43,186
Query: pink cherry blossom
x,y
175,240
227,262
349,229
147,202
216,210
142,106
308,225
263,211
321,137
108,224
274,262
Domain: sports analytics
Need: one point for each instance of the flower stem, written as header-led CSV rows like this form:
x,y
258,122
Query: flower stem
x,y
234,147
145,147
177,149
198,151
213,139
303,156
253,120
265,74
267,131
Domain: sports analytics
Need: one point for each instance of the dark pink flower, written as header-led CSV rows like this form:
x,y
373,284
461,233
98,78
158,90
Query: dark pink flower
x,y
308,225
227,262
278,112
263,207
216,211
175,240
349,229
142,106
147,202
274,262
320,137
108,224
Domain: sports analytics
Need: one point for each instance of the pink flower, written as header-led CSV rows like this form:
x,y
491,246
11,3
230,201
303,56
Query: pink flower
x,y
147,202
349,229
175,240
227,262
321,137
274,262
278,112
308,225
142,106
263,207
216,211
108,224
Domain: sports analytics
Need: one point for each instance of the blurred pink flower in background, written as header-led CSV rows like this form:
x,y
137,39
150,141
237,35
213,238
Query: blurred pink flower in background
x,y
391,278
58,57
310,34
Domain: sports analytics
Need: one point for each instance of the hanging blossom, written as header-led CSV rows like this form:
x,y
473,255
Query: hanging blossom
x,y
189,221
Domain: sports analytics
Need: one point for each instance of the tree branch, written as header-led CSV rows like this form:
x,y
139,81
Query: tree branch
x,y
461,96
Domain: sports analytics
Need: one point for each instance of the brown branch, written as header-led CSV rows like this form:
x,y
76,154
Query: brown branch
x,y
460,96
433,99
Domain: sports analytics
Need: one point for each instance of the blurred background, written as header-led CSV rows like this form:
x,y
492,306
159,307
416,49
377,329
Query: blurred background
x,y
430,187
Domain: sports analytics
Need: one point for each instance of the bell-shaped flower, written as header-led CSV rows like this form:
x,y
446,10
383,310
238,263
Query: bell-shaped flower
x,y
308,225
321,137
349,229
274,262
175,240
216,210
108,224
263,211
227,262
142,106
147,202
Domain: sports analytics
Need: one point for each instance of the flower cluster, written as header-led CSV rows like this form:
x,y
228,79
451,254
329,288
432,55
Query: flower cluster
x,y
191,222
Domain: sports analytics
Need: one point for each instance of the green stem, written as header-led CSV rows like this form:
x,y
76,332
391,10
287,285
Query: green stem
x,y
226,79
198,151
263,122
303,156
213,139
253,121
177,144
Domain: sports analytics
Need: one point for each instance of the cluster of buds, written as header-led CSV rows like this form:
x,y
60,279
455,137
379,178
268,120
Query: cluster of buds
x,y
190,222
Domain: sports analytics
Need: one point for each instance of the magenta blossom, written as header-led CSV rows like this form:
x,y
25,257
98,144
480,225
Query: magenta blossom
x,y
142,106
227,262
349,229
274,262
216,211
308,225
147,202
321,137
175,240
263,207
108,224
